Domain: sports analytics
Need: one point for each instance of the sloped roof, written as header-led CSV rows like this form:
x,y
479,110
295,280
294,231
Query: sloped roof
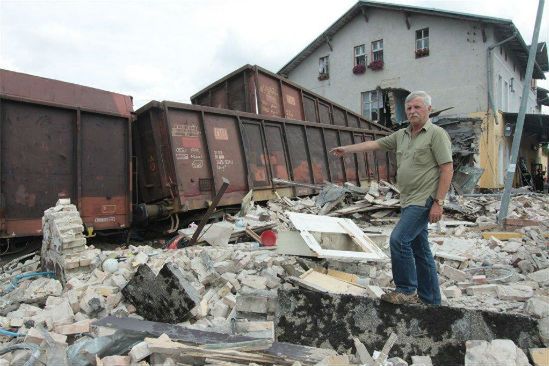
x,y
504,28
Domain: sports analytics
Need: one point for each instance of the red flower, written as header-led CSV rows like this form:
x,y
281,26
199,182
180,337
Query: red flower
x,y
422,52
376,65
359,69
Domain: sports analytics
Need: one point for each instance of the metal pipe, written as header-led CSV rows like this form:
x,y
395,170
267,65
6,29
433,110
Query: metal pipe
x,y
504,206
492,104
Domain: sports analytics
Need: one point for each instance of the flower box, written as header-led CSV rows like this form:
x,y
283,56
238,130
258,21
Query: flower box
x,y
376,65
323,76
359,69
422,52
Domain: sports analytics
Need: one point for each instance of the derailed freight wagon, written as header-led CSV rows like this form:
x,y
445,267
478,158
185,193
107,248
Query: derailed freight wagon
x,y
256,90
62,140
183,151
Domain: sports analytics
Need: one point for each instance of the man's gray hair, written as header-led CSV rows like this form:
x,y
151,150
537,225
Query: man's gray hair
x,y
419,94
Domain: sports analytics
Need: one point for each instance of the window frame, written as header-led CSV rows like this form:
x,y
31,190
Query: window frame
x,y
324,67
422,42
377,53
356,55
375,105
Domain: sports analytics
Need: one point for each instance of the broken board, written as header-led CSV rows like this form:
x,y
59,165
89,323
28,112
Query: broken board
x,y
325,283
328,237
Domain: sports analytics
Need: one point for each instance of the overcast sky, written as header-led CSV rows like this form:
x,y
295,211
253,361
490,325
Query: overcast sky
x,y
169,50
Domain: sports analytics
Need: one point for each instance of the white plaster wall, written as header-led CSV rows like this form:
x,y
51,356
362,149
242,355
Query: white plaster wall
x,y
507,71
454,73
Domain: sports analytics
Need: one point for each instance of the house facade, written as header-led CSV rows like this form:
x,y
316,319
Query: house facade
x,y
407,48
376,53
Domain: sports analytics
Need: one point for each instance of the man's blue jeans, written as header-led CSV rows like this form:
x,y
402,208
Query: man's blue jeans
x,y
413,265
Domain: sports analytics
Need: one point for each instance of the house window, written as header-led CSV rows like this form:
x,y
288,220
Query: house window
x,y
360,55
323,68
422,42
505,96
499,91
372,102
377,50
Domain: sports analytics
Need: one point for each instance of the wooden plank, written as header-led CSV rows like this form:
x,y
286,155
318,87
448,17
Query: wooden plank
x,y
501,235
352,209
386,219
253,235
348,277
255,345
389,185
331,205
521,222
540,356
380,214
157,345
331,284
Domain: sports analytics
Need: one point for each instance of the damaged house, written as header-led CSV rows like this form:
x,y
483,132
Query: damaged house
x,y
370,58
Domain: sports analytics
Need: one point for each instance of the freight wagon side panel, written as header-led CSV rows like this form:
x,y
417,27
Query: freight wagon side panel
x,y
105,171
189,156
224,149
269,96
149,136
206,148
38,163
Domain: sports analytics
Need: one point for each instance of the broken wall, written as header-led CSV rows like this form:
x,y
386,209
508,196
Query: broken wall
x,y
494,149
495,152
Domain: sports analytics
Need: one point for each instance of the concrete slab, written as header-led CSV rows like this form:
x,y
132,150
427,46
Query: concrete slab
x,y
326,320
166,298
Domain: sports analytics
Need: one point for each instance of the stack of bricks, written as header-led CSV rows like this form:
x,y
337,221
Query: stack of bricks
x,y
63,244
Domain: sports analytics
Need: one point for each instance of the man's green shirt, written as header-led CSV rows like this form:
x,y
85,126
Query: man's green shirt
x,y
418,160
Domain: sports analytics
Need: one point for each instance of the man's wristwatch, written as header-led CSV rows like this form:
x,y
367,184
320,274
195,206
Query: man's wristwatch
x,y
439,202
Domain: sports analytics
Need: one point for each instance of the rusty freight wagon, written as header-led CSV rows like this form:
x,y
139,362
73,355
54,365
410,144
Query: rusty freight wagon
x,y
62,140
257,90
183,151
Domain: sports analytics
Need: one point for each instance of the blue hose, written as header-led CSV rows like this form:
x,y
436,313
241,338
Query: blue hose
x,y
7,333
15,280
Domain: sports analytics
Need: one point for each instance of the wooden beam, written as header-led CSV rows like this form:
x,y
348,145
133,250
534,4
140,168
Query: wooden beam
x,y
483,31
407,20
364,14
329,42
501,235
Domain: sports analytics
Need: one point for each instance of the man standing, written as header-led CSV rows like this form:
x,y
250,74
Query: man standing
x,y
424,174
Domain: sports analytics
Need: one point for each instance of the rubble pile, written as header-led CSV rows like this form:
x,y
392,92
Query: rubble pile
x,y
483,209
64,249
232,288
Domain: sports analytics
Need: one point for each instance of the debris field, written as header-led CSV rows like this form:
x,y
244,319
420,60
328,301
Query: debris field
x,y
216,302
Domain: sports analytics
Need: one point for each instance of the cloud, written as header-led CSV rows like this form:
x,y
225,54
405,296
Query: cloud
x,y
172,49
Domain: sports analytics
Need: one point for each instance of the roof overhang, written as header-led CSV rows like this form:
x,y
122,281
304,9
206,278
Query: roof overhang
x,y
543,96
504,29
536,124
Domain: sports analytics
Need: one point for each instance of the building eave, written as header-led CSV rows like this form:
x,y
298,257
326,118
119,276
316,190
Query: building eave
x,y
504,27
